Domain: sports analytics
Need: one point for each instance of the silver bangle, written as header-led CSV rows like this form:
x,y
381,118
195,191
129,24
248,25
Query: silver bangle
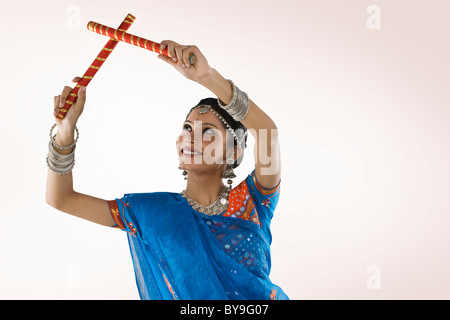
x,y
56,154
58,170
60,164
233,100
239,105
52,139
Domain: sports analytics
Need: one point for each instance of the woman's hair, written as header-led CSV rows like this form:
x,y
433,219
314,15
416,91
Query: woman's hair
x,y
237,126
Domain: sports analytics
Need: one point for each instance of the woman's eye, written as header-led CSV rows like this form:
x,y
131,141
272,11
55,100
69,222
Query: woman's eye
x,y
189,128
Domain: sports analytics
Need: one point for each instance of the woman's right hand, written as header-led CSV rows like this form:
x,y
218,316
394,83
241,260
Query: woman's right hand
x,y
66,125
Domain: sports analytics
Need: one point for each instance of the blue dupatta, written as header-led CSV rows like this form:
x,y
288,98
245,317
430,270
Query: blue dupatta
x,y
179,253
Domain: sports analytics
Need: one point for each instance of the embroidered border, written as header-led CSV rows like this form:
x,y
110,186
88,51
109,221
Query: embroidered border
x,y
240,197
273,294
120,221
130,225
175,297
115,213
263,190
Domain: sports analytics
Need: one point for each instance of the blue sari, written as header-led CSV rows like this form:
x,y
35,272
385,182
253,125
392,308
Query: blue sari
x,y
179,253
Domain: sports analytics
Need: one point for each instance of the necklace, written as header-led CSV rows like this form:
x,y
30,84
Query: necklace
x,y
215,208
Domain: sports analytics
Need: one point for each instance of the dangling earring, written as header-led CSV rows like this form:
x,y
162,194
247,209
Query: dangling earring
x,y
184,173
228,173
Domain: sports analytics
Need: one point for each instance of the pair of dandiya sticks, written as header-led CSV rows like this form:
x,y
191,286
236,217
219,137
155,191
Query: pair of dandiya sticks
x,y
116,35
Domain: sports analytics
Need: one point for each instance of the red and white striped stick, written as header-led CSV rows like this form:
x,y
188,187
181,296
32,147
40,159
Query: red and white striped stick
x,y
131,39
96,64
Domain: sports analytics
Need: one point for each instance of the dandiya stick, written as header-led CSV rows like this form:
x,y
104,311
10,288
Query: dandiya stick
x,y
131,39
93,68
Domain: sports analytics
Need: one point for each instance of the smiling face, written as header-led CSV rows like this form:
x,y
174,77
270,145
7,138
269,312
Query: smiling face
x,y
202,143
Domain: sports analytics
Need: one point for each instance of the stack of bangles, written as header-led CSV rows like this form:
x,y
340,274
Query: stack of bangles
x,y
59,163
239,105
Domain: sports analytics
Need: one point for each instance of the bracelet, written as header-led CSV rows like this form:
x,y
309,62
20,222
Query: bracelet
x,y
58,170
60,164
52,139
233,100
60,160
239,105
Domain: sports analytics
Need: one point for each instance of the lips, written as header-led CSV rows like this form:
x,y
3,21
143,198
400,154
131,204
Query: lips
x,y
190,152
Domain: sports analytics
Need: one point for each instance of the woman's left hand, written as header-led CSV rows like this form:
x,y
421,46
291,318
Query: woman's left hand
x,y
179,59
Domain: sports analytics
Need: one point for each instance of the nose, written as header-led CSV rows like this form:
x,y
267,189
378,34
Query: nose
x,y
185,137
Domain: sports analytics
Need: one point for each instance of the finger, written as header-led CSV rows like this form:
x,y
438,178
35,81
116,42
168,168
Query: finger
x,y
179,54
64,95
163,44
76,79
187,53
192,59
167,59
55,105
77,108
81,97
170,45
57,101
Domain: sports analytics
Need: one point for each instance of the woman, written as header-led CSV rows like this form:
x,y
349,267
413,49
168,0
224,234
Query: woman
x,y
209,241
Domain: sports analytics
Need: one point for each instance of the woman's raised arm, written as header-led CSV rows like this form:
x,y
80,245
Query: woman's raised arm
x,y
261,126
59,192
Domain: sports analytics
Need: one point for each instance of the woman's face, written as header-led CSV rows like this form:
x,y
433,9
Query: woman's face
x,y
201,144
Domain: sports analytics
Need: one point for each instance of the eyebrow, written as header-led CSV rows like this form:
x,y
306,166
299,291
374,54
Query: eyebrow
x,y
204,123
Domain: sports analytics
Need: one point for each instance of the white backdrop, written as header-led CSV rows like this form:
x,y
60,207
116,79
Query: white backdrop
x,y
355,87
